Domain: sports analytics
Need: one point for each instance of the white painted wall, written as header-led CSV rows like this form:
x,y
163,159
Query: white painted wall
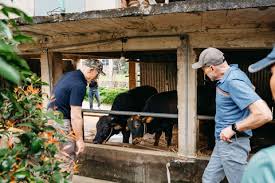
x,y
101,4
25,5
43,7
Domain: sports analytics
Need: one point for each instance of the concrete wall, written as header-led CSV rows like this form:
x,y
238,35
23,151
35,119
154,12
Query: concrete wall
x,y
139,166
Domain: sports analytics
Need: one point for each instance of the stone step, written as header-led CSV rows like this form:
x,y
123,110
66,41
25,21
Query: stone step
x,y
81,179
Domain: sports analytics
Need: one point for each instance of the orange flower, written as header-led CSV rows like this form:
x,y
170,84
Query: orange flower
x,y
10,123
32,90
76,167
10,142
39,106
16,89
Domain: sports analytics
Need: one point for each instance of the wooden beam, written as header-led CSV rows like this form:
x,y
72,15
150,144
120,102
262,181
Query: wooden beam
x,y
232,40
132,75
133,44
186,87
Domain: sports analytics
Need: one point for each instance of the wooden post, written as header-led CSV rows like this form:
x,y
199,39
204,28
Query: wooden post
x,y
132,75
57,66
186,87
51,71
46,76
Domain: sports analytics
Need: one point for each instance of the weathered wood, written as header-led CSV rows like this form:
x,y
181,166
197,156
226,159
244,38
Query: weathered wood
x,y
132,75
187,123
232,40
57,66
46,76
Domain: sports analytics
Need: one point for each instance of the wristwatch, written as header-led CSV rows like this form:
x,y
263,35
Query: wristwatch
x,y
234,128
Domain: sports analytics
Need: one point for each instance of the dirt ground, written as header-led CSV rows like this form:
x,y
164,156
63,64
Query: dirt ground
x,y
146,143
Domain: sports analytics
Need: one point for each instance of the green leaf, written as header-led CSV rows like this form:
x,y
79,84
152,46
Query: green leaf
x,y
36,145
57,177
11,10
8,72
3,152
30,125
5,30
22,38
21,174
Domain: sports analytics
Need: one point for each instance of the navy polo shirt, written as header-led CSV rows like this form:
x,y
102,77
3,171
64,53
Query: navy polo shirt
x,y
234,93
70,90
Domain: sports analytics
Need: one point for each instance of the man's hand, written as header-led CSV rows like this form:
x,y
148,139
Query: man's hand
x,y
80,146
226,134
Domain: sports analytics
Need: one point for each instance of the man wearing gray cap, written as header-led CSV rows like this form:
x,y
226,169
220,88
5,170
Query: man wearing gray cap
x,y
261,168
238,110
68,95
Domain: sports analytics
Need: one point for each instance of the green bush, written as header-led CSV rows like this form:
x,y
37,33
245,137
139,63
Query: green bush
x,y
107,95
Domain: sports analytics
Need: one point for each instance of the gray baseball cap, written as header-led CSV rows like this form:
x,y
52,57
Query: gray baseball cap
x,y
209,56
94,63
265,62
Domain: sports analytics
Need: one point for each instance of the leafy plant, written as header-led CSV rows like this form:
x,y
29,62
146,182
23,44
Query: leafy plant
x,y
28,144
10,37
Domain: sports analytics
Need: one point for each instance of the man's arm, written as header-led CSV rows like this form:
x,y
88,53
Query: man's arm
x,y
259,115
272,85
77,126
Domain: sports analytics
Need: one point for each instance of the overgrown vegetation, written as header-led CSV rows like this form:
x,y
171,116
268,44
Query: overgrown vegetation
x,y
107,95
28,144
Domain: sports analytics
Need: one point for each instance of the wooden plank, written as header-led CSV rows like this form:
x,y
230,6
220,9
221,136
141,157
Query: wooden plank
x,y
132,75
232,40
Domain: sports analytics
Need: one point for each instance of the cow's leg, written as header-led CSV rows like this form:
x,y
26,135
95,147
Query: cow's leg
x,y
168,134
126,136
157,137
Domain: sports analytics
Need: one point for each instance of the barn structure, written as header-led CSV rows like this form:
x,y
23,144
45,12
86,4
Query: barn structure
x,y
166,40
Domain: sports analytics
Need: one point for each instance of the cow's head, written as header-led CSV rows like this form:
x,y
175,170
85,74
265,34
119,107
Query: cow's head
x,y
137,126
105,128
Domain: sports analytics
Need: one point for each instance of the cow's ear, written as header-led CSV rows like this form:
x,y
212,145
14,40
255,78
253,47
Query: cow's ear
x,y
147,119
117,127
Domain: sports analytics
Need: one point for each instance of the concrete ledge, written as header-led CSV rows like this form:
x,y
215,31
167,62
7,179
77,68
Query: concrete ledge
x,y
141,166
174,7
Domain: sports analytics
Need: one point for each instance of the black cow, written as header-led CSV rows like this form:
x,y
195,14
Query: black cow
x,y
165,102
133,100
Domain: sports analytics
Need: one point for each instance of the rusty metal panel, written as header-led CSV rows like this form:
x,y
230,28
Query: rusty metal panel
x,y
162,76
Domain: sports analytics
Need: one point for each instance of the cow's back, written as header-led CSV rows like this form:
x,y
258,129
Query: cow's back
x,y
165,102
141,94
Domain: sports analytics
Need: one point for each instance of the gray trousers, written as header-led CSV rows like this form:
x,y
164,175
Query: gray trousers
x,y
67,150
227,159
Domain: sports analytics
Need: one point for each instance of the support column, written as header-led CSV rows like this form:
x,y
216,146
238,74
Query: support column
x,y
132,75
186,87
51,71
57,66
46,76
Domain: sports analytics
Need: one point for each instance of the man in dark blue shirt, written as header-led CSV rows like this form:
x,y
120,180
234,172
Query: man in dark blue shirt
x,y
67,98
238,110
